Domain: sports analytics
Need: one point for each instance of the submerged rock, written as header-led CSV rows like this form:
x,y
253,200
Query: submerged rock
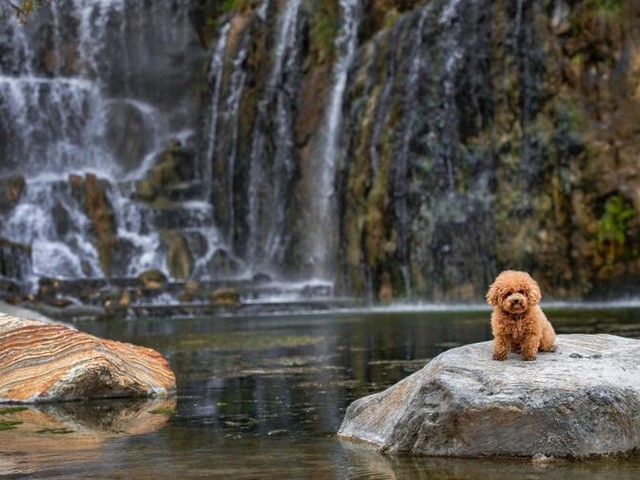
x,y
577,402
44,362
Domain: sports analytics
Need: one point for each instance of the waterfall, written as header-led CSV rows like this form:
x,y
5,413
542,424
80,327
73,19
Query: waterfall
x,y
52,222
232,118
449,117
322,242
269,176
406,134
215,76
95,88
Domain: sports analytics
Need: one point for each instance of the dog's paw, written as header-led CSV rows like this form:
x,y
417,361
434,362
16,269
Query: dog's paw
x,y
529,358
500,357
552,348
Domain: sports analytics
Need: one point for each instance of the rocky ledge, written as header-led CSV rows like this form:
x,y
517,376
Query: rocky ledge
x,y
47,362
580,401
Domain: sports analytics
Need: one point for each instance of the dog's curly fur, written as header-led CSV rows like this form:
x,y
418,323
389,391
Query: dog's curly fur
x,y
517,322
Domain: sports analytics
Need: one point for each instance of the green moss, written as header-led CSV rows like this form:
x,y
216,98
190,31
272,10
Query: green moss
x,y
9,424
248,341
612,226
324,29
5,410
390,19
612,6
229,6
577,59
55,431
163,411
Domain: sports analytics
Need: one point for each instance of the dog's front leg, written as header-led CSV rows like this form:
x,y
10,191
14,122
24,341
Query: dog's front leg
x,y
530,348
501,347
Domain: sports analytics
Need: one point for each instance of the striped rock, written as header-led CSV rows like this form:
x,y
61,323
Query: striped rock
x,y
45,362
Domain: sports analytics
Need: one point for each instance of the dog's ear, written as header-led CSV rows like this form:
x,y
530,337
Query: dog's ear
x,y
493,294
534,293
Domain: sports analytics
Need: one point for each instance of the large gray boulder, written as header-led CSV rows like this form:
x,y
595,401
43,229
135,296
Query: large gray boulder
x,y
582,400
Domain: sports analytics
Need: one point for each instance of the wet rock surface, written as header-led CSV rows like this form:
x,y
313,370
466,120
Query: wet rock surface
x,y
48,362
577,402
152,294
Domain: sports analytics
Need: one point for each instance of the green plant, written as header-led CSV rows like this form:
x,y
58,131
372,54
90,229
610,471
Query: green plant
x,y
325,26
18,408
9,424
612,226
55,431
163,411
234,5
612,6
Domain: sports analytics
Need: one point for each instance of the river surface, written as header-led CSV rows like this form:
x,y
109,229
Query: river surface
x,y
262,397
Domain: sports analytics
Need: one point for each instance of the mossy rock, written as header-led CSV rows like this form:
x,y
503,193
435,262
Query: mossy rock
x,y
190,291
179,258
152,279
11,190
146,190
225,297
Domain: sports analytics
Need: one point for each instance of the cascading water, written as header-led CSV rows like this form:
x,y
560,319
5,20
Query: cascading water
x,y
322,244
406,133
215,76
412,190
94,88
120,148
264,208
267,194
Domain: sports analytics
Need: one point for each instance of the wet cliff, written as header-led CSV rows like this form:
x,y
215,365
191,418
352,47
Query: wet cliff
x,y
474,136
489,135
398,149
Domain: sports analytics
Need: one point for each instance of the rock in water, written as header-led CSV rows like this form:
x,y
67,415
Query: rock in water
x,y
45,362
580,401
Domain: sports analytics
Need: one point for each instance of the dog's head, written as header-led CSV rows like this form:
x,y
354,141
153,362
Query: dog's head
x,y
514,292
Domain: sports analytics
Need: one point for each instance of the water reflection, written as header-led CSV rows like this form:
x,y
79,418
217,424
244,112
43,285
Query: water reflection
x,y
263,397
33,437
259,376
367,464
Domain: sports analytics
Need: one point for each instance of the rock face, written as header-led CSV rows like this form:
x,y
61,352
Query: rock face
x,y
44,362
578,402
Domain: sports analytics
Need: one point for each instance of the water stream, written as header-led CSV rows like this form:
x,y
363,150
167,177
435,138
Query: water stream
x,y
324,209
269,177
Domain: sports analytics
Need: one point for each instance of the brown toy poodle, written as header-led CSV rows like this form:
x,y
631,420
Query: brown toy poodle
x,y
517,322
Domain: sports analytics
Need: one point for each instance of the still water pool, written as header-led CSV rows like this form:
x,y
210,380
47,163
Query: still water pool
x,y
262,398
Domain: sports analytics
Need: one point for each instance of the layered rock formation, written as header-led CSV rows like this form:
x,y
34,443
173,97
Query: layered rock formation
x,y
44,362
579,401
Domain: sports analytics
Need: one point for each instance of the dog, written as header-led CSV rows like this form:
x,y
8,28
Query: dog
x,y
517,321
